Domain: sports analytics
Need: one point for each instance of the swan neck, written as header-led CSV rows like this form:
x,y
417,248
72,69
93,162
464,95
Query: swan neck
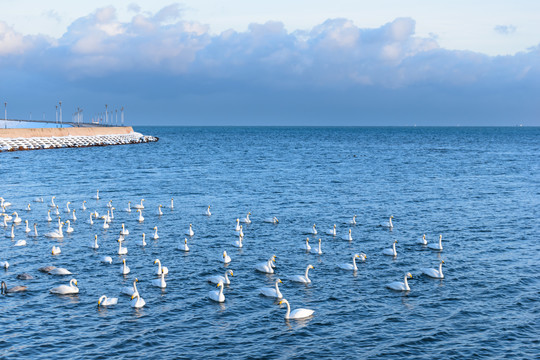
x,y
288,310
394,248
440,269
390,221
354,263
406,283
307,271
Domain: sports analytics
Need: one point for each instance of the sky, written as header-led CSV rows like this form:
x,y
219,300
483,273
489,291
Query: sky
x,y
240,62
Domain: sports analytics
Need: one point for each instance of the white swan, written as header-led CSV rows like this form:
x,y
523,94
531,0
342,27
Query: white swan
x,y
238,243
272,220
332,231
106,260
4,203
139,206
190,231
400,286
56,250
161,269
156,236
105,301
124,231
436,246
272,292
437,274
52,204
297,313
66,289
130,290
266,267
207,212
302,278
306,245
20,243
109,204
172,204
97,195
35,231
60,271
69,229
423,240
159,210
226,258
137,301
317,250
68,210
217,295
391,251
240,232
122,250
28,208
56,234
237,228
4,224
389,223
246,220
312,231
17,219
56,211
434,273
91,221
38,199
105,225
353,265
348,237
83,206
94,245
125,269
353,221
184,246
216,279
143,241
73,217
141,218
160,283
26,229
128,209
12,233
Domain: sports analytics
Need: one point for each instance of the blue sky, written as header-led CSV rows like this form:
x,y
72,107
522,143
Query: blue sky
x,y
242,62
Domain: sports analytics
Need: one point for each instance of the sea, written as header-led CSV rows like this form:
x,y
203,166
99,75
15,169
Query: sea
x,y
478,187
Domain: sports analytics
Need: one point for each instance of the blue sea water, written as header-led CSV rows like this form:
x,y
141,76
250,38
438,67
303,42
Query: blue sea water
x,y
478,187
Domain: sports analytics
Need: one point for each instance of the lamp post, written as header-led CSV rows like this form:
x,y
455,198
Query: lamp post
x,y
60,103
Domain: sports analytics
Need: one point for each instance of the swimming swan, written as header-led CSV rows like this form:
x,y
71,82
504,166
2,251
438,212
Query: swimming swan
x,y
332,231
124,231
141,218
423,240
56,234
139,206
137,301
306,245
353,221
226,258
246,220
353,265
156,236
105,301
348,237
389,223
160,283
437,274
317,250
106,260
272,292
56,250
69,229
400,286
217,295
216,279
66,289
238,243
266,267
14,289
160,269
83,207
130,290
190,231
312,231
159,210
237,228
20,243
125,269
302,278
392,251
143,242
128,209
17,219
59,271
297,313
27,229
122,250
272,220
207,212
438,246
184,246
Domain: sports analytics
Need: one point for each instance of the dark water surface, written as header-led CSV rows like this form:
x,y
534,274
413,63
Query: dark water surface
x,y
478,187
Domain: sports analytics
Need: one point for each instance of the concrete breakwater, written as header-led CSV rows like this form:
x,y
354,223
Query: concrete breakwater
x,y
52,138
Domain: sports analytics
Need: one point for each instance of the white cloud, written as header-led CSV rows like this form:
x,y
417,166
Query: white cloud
x,y
505,29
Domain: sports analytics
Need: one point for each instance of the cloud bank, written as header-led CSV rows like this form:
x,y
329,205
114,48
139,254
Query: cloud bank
x,y
166,58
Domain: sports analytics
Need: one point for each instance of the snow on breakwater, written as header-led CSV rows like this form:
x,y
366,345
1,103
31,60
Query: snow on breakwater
x,y
44,138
